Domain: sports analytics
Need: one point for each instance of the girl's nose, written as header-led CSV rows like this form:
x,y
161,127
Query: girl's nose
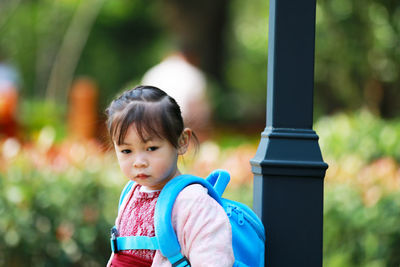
x,y
140,162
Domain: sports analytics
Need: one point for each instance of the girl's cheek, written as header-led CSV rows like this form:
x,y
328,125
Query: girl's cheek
x,y
126,164
126,169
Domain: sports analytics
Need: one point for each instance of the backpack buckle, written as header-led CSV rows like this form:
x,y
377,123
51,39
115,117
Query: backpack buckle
x,y
184,262
114,246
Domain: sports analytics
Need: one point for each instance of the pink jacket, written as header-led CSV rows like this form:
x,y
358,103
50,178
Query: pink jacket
x,y
202,228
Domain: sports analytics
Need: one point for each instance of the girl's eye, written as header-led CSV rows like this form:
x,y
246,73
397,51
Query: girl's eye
x,y
126,151
152,148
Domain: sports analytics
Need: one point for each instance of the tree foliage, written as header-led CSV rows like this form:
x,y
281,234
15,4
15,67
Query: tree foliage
x,y
358,56
357,48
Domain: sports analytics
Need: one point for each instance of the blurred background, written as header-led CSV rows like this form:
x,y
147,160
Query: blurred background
x,y
62,62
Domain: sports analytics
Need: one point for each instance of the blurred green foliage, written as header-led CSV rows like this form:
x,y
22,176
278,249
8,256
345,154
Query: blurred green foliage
x,y
360,235
57,212
357,51
52,218
58,203
125,40
362,189
36,115
361,134
357,56
246,64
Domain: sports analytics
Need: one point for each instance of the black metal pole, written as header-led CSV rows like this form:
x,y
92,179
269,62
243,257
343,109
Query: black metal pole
x,y
288,166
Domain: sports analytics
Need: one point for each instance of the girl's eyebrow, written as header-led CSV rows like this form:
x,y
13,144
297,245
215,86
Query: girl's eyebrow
x,y
148,139
122,144
145,140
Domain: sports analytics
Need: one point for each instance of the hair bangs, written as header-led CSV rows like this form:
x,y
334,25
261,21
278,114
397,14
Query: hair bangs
x,y
141,115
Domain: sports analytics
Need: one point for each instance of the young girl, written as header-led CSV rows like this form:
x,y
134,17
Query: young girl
x,y
148,133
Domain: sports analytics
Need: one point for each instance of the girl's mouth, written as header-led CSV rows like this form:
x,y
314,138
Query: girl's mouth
x,y
142,176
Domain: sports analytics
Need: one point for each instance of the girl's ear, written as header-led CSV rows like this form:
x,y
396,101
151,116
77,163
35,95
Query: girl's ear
x,y
184,141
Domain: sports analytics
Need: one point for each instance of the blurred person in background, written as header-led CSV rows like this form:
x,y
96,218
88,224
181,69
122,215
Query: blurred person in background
x,y
179,77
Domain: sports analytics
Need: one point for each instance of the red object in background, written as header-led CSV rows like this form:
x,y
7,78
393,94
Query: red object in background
x,y
8,109
82,109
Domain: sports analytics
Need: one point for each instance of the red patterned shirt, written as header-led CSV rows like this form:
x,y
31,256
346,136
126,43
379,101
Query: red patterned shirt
x,y
137,219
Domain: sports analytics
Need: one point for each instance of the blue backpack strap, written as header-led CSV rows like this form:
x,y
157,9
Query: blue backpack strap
x,y
167,239
130,242
133,242
219,179
125,191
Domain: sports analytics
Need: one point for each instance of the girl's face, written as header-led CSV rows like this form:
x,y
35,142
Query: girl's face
x,y
151,163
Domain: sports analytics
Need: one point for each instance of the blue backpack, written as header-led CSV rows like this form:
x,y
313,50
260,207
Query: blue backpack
x,y
248,234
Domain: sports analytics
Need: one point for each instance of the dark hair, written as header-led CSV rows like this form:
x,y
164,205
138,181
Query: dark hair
x,y
153,111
